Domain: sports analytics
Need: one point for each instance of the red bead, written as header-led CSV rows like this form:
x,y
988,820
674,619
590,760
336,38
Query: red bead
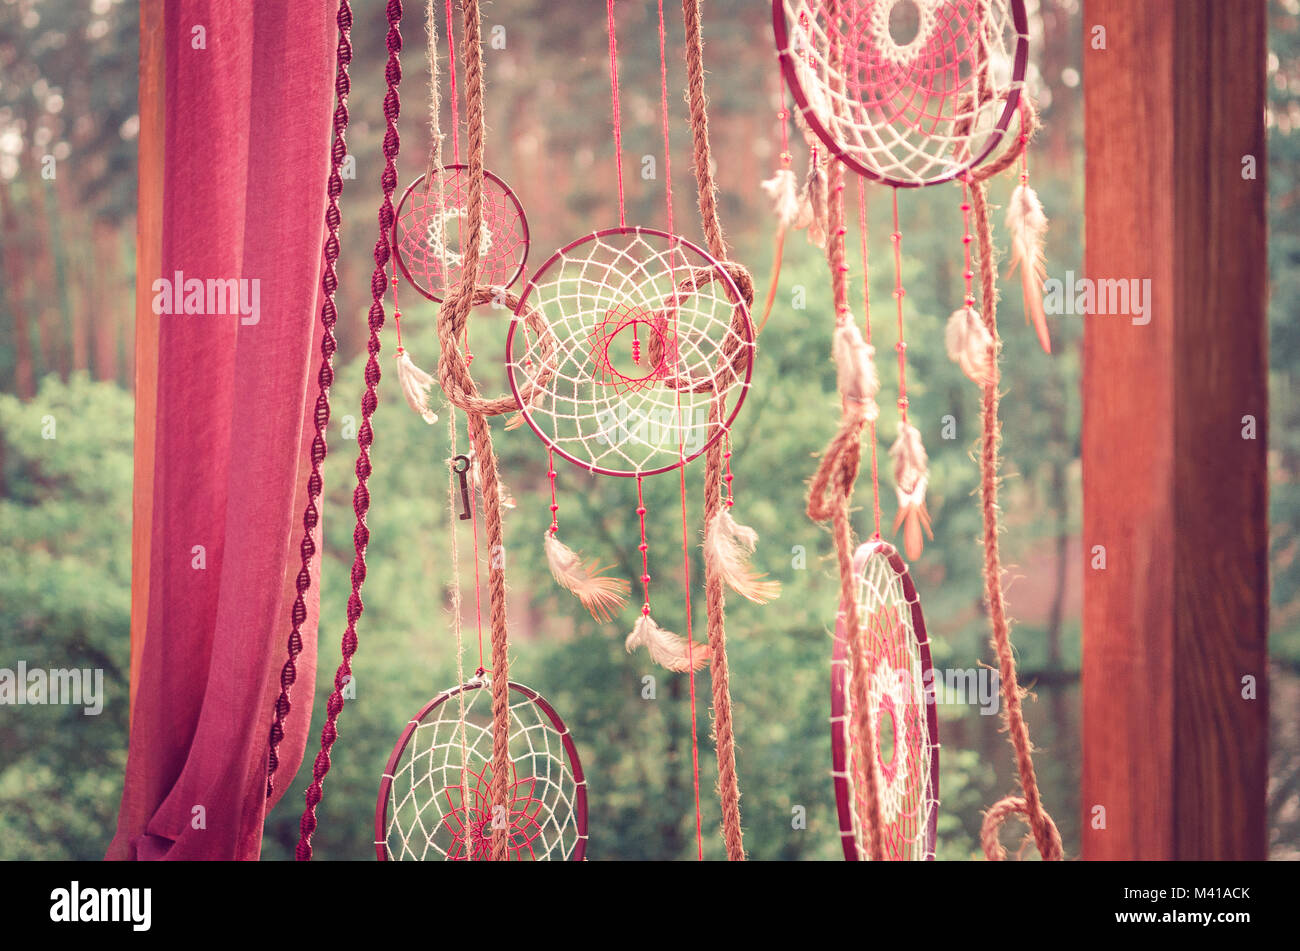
x,y
645,579
555,508
642,547
640,510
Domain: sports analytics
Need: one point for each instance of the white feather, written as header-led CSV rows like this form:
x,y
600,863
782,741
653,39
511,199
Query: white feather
x,y
727,547
911,478
1028,226
416,386
856,372
599,593
666,648
970,345
783,192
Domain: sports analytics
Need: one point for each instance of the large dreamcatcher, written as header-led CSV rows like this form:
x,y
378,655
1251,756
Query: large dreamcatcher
x,y
907,93
435,799
644,362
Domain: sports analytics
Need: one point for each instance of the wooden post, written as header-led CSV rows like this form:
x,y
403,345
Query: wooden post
x,y
148,264
1175,732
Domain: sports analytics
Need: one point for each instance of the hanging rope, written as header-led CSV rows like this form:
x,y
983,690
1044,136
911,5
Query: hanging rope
x,y
453,374
1046,835
724,732
830,495
324,379
365,434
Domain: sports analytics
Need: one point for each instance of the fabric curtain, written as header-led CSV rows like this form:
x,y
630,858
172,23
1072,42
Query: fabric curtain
x,y
249,95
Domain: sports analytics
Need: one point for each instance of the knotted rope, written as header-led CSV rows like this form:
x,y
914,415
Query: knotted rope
x,y
453,374
324,380
724,733
365,434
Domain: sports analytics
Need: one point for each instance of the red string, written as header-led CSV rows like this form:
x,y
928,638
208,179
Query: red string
x,y
550,474
866,323
618,122
473,513
397,313
451,62
644,549
901,346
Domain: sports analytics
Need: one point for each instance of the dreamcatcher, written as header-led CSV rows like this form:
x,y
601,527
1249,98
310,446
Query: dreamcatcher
x,y
911,93
652,356
899,679
508,784
435,800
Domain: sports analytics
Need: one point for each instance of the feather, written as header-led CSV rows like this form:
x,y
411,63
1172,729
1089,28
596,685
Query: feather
x,y
911,478
1028,226
813,208
727,547
599,593
856,371
783,192
416,385
970,345
666,648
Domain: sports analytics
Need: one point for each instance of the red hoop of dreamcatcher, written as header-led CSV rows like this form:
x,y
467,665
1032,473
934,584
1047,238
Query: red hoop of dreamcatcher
x,y
427,254
434,800
905,113
649,331
901,691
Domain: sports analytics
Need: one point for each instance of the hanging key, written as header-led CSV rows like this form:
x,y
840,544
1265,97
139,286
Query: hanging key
x,y
460,465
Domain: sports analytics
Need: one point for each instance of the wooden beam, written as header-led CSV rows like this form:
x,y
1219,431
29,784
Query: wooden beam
x,y
1174,743
148,263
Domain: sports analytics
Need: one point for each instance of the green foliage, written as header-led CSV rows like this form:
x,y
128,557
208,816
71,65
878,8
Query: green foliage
x,y
65,582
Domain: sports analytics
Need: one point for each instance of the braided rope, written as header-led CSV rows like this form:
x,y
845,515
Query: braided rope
x,y
1046,835
365,434
324,379
715,601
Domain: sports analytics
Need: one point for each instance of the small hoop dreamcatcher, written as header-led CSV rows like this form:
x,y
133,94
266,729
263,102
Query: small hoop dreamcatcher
x,y
889,85
650,332
435,799
426,232
897,664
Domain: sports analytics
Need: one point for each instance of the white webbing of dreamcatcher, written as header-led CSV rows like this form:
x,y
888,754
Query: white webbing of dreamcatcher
x,y
600,408
906,112
436,775
907,799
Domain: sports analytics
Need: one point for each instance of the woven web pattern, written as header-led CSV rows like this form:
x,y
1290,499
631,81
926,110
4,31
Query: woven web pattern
x,y
648,331
900,712
911,92
427,235
439,804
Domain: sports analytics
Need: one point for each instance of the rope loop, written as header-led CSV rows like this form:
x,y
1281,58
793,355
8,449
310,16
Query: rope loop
x,y
1003,809
453,370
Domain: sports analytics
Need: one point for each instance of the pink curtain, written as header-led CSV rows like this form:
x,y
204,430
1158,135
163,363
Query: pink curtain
x,y
248,104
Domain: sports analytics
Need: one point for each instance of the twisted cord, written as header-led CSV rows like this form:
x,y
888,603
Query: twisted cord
x,y
1046,836
830,497
324,379
715,600
365,434
454,376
